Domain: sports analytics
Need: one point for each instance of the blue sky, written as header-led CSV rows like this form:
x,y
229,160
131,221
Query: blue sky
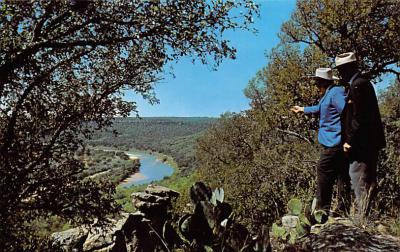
x,y
196,90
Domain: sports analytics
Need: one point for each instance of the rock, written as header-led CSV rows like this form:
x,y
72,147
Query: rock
x,y
154,202
105,237
143,196
290,221
133,232
316,229
150,208
71,239
340,220
341,237
162,191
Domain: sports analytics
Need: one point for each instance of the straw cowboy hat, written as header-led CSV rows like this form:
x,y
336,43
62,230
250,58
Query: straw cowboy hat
x,y
324,73
345,58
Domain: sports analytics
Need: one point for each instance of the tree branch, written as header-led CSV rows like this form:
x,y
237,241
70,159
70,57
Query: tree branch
x,y
9,134
295,134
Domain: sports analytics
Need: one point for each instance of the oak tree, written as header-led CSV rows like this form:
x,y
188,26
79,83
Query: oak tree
x,y
370,28
64,66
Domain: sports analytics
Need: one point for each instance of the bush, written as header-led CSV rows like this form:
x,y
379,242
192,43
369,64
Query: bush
x,y
260,173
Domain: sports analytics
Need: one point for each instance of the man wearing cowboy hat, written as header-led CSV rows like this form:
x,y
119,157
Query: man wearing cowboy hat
x,y
332,163
362,130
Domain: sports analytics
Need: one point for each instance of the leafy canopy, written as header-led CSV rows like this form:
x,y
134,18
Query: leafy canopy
x,y
266,155
63,68
371,28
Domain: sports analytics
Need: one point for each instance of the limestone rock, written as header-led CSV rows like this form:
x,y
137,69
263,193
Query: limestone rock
x,y
104,237
139,231
342,237
147,197
316,229
71,239
290,221
161,191
382,229
148,202
154,202
339,237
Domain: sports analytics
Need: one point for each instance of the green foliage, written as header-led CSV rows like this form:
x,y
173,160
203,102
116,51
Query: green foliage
x,y
388,191
116,165
212,227
217,196
64,69
301,227
368,27
294,206
318,214
395,226
266,155
278,231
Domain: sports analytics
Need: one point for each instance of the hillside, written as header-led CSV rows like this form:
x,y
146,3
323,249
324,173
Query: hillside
x,y
174,136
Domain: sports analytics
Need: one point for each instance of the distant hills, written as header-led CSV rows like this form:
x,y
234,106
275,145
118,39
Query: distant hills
x,y
174,136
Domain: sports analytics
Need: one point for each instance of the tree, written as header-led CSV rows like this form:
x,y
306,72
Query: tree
x,y
388,172
282,148
371,28
63,68
265,155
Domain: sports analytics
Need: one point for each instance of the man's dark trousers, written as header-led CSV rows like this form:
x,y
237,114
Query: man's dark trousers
x,y
333,166
363,178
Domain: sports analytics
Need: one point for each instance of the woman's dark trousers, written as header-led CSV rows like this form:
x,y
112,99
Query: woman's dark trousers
x,y
333,166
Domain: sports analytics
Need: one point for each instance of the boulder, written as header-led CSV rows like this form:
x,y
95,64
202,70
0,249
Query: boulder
x,y
162,191
340,237
139,231
105,237
71,239
290,221
154,202
141,200
340,234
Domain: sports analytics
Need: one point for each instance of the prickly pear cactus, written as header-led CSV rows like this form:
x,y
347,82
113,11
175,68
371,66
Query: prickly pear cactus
x,y
211,225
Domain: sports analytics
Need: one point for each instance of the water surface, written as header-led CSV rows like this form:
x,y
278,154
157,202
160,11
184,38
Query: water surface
x,y
151,169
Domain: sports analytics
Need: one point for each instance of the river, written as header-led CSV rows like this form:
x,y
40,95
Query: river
x,y
151,169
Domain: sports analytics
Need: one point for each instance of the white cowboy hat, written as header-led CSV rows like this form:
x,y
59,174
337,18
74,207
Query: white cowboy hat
x,y
325,73
345,58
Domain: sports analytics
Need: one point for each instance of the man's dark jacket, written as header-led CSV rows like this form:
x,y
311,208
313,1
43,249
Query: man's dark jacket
x,y
361,120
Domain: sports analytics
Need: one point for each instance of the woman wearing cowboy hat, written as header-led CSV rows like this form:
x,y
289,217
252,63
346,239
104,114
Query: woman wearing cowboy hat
x,y
332,164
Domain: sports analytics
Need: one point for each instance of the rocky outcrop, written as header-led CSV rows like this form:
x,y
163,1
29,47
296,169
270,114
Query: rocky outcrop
x,y
341,237
137,232
71,239
340,234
